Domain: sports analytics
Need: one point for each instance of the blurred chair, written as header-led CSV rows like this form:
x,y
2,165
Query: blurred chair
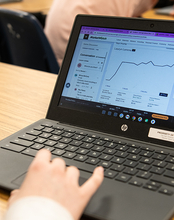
x,y
23,42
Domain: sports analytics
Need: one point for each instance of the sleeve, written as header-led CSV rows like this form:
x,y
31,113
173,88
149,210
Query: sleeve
x,y
37,208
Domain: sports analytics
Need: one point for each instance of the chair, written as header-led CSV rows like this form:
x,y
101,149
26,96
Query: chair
x,y
23,42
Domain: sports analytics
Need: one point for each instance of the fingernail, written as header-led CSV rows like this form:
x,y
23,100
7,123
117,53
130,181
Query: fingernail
x,y
100,169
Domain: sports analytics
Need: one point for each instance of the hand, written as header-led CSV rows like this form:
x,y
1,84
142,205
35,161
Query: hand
x,y
56,181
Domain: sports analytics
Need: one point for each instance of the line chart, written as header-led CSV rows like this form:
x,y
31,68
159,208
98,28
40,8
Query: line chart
x,y
142,63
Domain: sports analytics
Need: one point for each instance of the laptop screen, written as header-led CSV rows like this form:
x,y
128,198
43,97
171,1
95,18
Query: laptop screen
x,y
127,74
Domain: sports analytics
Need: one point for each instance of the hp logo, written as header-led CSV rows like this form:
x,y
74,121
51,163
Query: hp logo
x,y
124,127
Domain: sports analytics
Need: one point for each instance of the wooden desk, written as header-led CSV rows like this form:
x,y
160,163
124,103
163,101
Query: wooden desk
x,y
24,98
151,14
30,5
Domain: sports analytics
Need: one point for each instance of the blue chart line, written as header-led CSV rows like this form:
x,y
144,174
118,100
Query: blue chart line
x,y
142,63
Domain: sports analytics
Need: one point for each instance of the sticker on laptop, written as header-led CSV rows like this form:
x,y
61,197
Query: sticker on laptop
x,y
161,134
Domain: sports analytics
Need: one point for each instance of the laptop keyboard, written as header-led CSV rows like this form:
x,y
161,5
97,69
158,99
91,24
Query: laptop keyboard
x,y
125,162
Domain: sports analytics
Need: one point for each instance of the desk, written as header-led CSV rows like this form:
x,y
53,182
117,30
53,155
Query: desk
x,y
152,15
30,5
24,98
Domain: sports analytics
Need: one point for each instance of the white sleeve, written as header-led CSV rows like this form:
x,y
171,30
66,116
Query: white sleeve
x,y
37,208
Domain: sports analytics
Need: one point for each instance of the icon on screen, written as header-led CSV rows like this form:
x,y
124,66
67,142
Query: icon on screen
x,y
133,118
140,119
127,116
153,121
68,85
121,115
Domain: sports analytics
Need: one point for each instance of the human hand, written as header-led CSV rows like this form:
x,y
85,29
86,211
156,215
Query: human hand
x,y
56,181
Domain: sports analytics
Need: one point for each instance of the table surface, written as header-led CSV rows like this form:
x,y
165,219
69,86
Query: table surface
x,y
30,5
24,93
24,98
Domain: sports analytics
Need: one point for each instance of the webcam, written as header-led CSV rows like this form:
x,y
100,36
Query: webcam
x,y
152,25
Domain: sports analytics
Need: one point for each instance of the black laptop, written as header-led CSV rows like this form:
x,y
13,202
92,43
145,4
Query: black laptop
x,y
113,105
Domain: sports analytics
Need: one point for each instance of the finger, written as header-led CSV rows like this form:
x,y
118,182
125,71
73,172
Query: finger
x,y
13,195
93,183
59,164
14,192
43,155
73,174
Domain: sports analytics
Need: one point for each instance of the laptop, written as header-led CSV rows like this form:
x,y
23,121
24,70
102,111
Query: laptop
x,y
112,106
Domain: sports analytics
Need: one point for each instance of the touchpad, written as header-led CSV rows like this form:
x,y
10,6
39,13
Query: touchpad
x,y
18,181
81,180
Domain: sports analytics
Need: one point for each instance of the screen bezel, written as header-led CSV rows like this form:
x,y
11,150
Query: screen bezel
x,y
93,121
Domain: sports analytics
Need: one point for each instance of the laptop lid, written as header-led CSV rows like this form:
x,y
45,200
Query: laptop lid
x,y
117,77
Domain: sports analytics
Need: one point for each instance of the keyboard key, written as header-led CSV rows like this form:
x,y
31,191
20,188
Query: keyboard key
x,y
170,167
109,151
105,164
144,167
117,167
87,146
160,163
22,142
169,173
146,153
105,157
152,183
94,154
82,151
34,132
98,148
76,143
50,143
65,140
71,148
81,158
144,174
13,147
47,124
40,140
69,155
130,163
122,147
93,161
88,139
134,157
57,132
49,148
134,151
55,138
58,152
121,154
166,191
170,159
30,152
130,171
159,156
99,142
60,145
45,135
78,137
110,145
146,160
136,183
67,134
163,180
123,177
110,174
152,188
39,128
118,160
157,170
48,130
37,146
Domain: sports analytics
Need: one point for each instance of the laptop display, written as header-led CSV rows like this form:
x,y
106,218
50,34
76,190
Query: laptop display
x,y
121,73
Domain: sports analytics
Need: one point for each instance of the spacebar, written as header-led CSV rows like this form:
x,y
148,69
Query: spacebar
x,y
163,180
79,165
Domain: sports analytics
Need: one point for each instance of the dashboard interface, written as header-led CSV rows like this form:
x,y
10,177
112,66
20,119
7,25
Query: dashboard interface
x,y
126,74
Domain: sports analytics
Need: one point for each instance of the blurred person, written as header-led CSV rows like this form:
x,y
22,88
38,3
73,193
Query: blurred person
x,y
51,191
61,16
